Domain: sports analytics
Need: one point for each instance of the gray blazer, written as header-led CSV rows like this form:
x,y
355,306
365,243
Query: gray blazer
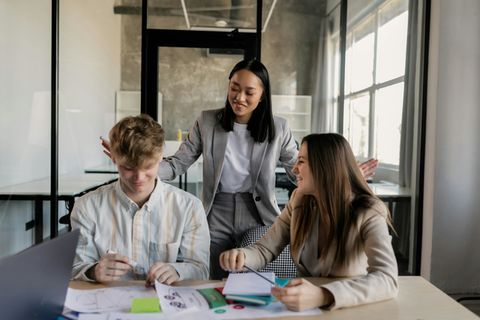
x,y
207,137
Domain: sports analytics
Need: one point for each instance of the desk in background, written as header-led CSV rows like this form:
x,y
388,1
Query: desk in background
x,y
192,176
69,187
390,193
417,299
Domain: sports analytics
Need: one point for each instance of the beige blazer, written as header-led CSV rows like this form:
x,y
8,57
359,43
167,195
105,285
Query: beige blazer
x,y
208,138
371,267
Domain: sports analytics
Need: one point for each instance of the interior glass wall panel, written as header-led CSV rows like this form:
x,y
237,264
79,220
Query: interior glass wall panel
x,y
25,55
292,51
190,80
99,76
98,84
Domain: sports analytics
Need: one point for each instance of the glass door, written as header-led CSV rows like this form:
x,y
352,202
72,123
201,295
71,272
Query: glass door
x,y
190,80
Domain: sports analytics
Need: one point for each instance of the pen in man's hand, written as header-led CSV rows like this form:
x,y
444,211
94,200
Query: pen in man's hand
x,y
259,274
132,263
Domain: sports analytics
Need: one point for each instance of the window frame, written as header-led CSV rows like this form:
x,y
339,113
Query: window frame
x,y
385,171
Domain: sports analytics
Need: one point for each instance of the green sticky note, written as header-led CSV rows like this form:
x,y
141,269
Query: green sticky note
x,y
145,305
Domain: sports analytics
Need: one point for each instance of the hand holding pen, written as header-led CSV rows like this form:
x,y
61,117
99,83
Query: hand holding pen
x,y
111,267
232,260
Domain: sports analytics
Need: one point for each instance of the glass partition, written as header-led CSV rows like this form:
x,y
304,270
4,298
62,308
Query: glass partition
x,y
25,42
90,57
190,80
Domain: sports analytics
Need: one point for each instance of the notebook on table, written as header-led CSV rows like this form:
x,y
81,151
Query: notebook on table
x,y
248,284
34,282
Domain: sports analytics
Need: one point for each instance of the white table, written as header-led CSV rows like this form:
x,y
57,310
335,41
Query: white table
x,y
390,193
417,299
69,187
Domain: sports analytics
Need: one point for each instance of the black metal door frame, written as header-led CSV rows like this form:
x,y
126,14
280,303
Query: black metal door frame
x,y
152,39
185,39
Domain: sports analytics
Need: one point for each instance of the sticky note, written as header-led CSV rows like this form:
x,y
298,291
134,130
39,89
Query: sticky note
x,y
144,305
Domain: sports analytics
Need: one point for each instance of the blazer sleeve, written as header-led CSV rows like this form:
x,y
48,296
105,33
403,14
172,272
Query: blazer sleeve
x,y
381,280
272,243
188,152
289,151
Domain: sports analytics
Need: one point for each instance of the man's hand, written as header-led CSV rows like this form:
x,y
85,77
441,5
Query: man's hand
x,y
163,272
300,294
110,267
368,168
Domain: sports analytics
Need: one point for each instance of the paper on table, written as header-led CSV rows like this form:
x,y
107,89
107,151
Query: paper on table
x,y
248,283
176,299
190,314
105,299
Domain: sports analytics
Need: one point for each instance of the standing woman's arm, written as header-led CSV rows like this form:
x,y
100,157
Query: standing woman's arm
x,y
188,152
289,150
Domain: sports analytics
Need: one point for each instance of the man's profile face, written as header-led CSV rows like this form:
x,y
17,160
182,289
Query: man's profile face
x,y
138,179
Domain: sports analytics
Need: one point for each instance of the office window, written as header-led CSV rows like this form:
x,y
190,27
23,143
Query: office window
x,y
374,80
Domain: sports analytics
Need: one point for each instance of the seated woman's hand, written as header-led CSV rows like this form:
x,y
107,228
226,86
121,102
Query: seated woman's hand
x,y
232,260
368,168
300,294
163,272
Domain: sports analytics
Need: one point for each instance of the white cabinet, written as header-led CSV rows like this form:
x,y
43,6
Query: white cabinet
x,y
297,111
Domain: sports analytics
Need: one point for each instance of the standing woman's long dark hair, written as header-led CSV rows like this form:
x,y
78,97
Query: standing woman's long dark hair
x,y
342,191
261,124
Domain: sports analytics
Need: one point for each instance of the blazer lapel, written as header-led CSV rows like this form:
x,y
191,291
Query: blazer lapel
x,y
220,139
258,154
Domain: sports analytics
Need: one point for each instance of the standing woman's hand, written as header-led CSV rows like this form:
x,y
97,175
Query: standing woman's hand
x,y
300,294
106,147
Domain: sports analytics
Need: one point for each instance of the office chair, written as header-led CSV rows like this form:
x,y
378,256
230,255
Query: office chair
x,y
283,265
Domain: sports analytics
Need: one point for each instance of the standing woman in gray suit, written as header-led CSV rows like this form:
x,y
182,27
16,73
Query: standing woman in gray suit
x,y
241,145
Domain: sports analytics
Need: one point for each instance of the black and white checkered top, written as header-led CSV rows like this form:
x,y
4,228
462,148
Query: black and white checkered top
x,y
283,265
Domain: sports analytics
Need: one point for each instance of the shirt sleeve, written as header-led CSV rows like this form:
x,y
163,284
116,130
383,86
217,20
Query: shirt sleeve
x,y
86,254
381,280
195,245
188,152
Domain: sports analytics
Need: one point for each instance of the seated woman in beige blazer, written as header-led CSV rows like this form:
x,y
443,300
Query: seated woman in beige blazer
x,y
336,227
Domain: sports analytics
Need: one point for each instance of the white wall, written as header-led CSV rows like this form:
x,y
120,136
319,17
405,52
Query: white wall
x,y
451,257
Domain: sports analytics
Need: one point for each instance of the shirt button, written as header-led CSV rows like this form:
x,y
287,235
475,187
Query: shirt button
x,y
257,198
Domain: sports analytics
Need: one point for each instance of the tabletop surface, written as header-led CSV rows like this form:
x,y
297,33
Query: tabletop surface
x,y
417,299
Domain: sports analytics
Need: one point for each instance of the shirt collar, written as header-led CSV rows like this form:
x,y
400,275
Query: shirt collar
x,y
152,200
